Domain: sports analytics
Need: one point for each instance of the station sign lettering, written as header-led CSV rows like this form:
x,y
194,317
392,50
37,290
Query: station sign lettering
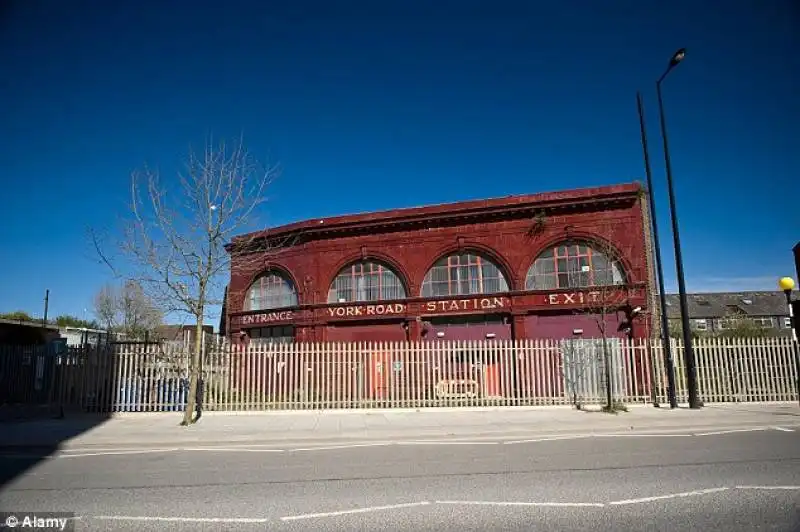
x,y
460,305
428,307
574,298
446,306
265,317
367,310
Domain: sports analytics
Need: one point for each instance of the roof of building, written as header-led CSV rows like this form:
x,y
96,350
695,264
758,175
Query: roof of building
x,y
82,330
33,324
177,332
721,304
458,210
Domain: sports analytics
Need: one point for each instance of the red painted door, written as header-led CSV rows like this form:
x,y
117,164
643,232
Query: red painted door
x,y
381,368
492,380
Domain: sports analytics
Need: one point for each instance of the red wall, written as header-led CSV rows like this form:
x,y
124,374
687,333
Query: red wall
x,y
508,239
469,332
377,332
562,326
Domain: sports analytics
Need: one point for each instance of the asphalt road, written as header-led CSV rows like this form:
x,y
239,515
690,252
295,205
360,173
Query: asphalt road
x,y
735,481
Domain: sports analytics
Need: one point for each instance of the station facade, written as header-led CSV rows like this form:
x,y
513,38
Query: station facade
x,y
552,265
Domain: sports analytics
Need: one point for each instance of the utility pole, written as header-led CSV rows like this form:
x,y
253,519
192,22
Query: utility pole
x,y
669,364
688,350
46,304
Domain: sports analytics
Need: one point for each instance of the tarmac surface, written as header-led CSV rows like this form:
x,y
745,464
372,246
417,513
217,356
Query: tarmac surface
x,y
745,478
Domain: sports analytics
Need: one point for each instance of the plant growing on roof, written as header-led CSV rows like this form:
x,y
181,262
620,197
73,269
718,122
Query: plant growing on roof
x,y
538,224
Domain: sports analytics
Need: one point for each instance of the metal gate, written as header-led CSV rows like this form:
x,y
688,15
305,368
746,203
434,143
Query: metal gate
x,y
584,371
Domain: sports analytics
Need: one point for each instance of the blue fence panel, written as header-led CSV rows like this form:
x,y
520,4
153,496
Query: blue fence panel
x,y
170,394
129,395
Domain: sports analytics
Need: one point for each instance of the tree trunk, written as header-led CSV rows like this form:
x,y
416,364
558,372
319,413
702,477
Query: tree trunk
x,y
607,359
194,372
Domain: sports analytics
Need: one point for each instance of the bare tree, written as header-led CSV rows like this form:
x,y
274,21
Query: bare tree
x,y
174,240
127,309
105,306
139,315
575,361
605,292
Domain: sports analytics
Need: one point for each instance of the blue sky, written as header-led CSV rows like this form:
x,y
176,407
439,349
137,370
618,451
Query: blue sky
x,y
375,105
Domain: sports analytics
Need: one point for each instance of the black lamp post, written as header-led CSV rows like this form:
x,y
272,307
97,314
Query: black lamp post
x,y
688,350
668,362
787,285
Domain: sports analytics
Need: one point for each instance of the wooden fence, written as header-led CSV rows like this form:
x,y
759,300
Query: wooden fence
x,y
130,378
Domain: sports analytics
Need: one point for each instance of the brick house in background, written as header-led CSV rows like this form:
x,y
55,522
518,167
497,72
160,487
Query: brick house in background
x,y
178,333
713,313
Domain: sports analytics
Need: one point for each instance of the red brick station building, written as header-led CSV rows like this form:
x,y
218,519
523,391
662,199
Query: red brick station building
x,y
521,267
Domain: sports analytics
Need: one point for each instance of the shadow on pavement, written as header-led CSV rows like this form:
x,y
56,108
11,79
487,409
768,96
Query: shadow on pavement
x,y
26,443
49,396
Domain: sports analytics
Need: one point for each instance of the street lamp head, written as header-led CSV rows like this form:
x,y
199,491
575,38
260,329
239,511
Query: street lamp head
x,y
677,57
786,284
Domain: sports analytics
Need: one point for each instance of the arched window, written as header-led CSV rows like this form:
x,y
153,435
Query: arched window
x,y
573,264
271,290
366,281
463,274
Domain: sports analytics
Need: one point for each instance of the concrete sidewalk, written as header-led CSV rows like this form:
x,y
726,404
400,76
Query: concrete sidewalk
x,y
266,428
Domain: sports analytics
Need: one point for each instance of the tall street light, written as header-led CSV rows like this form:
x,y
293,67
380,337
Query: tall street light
x,y
668,362
688,350
787,285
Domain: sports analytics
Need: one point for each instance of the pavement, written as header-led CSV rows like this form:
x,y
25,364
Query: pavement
x,y
162,429
723,480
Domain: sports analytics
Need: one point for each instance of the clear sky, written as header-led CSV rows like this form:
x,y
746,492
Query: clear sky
x,y
375,105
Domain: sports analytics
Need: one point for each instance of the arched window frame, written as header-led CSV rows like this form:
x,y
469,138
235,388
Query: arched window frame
x,y
271,290
464,274
572,264
366,280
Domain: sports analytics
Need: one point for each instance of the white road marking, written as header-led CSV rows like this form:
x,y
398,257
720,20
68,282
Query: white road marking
x,y
513,503
256,520
768,487
100,449
243,445
348,446
116,453
553,438
670,496
715,433
354,511
263,520
446,442
231,450
641,435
